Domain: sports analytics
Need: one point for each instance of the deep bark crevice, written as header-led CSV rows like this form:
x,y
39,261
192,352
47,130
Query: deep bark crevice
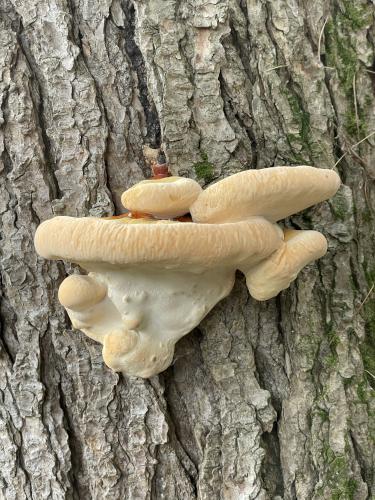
x,y
271,467
134,54
36,92
84,86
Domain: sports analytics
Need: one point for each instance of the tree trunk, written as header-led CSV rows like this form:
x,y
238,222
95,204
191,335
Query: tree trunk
x,y
263,400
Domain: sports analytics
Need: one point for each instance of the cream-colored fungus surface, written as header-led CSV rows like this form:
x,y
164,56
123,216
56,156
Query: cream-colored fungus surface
x,y
151,281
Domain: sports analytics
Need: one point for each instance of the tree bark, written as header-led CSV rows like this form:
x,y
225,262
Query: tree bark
x,y
263,400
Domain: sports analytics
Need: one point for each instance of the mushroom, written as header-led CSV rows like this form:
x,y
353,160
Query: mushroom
x,y
266,279
93,243
152,281
161,278
168,197
274,193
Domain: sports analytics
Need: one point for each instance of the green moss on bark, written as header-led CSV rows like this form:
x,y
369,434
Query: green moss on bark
x,y
339,483
341,54
301,145
204,169
368,345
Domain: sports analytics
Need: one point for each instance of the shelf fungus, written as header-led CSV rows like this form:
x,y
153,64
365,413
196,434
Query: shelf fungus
x,y
151,279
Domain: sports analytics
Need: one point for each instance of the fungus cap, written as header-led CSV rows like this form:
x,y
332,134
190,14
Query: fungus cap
x,y
274,193
169,244
164,198
275,273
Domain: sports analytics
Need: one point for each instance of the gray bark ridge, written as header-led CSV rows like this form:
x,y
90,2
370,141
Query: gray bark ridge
x,y
264,400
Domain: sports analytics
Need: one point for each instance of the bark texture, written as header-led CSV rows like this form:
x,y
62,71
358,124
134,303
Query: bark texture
x,y
264,400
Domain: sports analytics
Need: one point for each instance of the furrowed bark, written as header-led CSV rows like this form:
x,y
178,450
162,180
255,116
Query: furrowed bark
x,y
263,400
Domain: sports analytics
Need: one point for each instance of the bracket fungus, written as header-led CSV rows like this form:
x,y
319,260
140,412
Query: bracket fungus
x,y
152,279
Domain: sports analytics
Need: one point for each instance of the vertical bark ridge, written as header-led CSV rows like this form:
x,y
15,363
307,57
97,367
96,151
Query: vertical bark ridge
x,y
266,399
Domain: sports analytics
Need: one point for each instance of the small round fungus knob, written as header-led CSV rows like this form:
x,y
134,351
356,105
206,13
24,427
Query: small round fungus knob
x,y
116,345
81,292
